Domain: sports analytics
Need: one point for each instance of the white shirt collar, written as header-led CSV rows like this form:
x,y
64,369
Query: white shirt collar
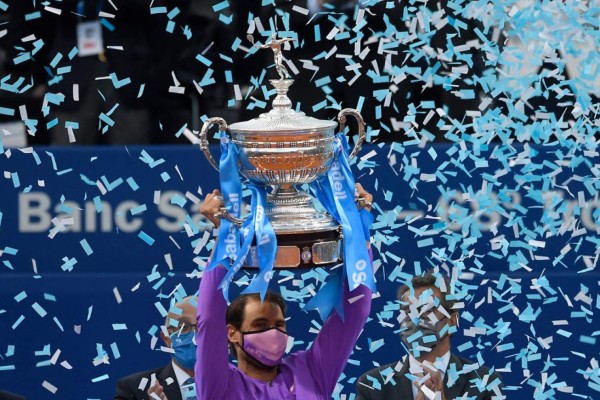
x,y
415,367
440,364
181,376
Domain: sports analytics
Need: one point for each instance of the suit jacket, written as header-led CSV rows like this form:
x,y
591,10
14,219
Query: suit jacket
x,y
128,387
10,396
398,386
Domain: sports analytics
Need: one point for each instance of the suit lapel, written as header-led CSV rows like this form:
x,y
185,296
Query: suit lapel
x,y
172,391
457,389
404,385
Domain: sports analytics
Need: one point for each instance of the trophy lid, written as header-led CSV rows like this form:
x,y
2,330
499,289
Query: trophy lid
x,y
282,118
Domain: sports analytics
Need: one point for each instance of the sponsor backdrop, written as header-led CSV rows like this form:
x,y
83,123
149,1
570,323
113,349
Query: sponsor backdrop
x,y
94,242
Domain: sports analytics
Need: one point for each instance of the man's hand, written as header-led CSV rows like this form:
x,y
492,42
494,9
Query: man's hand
x,y
156,392
435,384
360,192
212,205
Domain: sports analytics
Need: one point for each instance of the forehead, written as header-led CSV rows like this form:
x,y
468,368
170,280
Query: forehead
x,y
184,312
429,296
256,309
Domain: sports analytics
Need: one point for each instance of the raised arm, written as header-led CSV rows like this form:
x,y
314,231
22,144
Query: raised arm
x,y
334,343
336,340
212,358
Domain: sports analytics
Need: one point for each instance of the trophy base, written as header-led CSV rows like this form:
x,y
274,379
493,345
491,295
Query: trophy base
x,y
304,250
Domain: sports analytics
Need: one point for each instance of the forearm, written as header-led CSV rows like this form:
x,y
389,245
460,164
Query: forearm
x,y
212,359
211,303
357,303
336,340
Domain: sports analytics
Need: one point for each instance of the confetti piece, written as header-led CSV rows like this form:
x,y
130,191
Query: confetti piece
x,y
204,61
169,261
100,378
142,235
115,350
117,295
39,309
21,296
86,247
49,387
138,209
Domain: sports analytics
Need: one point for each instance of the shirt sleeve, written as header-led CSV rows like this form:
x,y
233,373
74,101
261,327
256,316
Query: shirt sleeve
x,y
334,344
212,357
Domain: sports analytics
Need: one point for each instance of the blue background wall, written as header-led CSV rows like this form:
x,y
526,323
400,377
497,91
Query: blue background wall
x,y
518,226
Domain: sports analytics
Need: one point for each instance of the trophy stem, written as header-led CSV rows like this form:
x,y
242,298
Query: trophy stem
x,y
292,211
284,190
282,102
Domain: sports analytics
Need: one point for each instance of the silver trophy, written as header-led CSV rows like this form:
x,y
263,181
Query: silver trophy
x,y
284,148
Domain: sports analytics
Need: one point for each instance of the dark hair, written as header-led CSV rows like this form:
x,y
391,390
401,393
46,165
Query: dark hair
x,y
235,311
429,279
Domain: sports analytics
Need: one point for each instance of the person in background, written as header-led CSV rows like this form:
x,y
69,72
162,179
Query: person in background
x,y
430,369
175,381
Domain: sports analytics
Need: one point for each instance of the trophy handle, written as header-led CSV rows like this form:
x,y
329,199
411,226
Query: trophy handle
x,y
223,213
361,128
204,138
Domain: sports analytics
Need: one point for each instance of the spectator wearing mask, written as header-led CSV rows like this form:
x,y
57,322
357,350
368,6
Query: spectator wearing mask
x,y
175,381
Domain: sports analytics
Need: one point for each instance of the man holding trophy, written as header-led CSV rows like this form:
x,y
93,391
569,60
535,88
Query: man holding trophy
x,y
257,333
282,149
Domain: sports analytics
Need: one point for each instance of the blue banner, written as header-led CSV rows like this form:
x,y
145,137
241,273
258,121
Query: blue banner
x,y
335,191
266,243
96,242
255,227
228,243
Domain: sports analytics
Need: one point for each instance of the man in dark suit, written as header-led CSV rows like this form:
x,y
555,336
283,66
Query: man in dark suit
x,y
428,320
174,381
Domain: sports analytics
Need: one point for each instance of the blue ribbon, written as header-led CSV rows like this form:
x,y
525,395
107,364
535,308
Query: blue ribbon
x,y
232,247
256,226
329,296
335,191
266,243
248,234
366,219
228,243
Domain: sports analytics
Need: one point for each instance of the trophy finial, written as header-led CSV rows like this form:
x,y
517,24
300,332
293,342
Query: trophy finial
x,y
275,45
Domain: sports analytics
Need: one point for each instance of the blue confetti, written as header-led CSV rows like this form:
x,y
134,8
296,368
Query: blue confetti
x,y
86,247
142,235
